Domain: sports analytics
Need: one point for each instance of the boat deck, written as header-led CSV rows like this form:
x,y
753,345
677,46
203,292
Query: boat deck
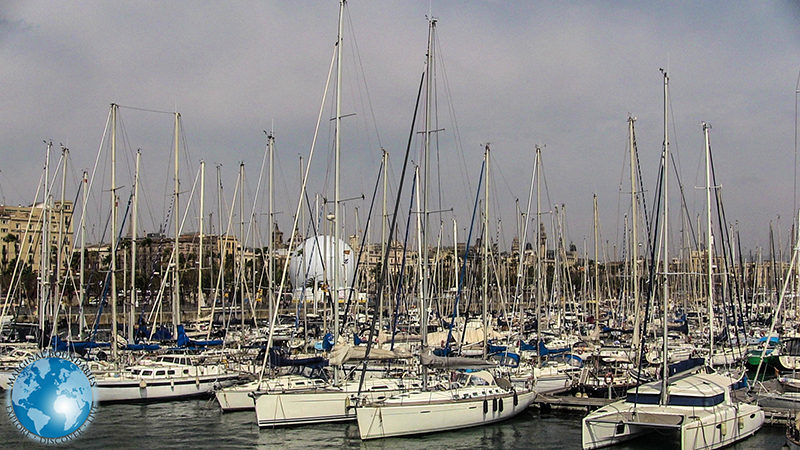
x,y
778,417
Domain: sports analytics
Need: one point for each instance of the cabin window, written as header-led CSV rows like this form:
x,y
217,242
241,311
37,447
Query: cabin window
x,y
147,372
170,372
186,371
160,372
685,400
643,399
135,371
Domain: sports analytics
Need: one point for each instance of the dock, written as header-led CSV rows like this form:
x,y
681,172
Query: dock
x,y
778,417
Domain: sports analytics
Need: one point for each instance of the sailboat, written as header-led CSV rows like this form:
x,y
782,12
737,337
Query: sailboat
x,y
469,399
314,403
691,402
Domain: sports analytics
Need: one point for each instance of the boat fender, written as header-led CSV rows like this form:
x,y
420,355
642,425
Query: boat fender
x,y
516,399
346,404
197,380
609,378
172,384
500,405
741,423
494,404
485,406
142,384
724,428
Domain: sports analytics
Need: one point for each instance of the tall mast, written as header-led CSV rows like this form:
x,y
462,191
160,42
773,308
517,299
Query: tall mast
x,y
596,261
383,231
114,227
710,245
176,285
485,258
134,225
271,243
61,231
665,231
635,239
539,251
337,173
200,250
44,263
81,319
241,272
429,84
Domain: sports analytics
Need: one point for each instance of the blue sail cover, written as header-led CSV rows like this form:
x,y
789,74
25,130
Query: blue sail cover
x,y
184,341
278,358
79,347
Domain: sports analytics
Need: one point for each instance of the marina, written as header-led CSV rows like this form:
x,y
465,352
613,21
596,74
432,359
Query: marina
x,y
355,300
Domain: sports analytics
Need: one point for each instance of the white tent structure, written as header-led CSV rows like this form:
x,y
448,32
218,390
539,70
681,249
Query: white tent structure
x,y
313,262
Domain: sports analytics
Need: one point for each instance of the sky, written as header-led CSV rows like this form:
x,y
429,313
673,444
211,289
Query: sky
x,y
564,76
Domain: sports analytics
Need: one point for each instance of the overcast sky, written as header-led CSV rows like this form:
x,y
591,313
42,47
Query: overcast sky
x,y
561,75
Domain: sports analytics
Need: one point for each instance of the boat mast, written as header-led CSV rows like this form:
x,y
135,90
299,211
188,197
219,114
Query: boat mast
x,y
665,232
337,174
485,258
710,244
383,234
176,299
635,238
271,229
134,225
44,266
114,226
60,246
429,84
596,261
240,274
81,319
539,250
200,250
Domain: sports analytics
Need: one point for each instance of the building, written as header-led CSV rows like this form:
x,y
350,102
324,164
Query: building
x,y
21,232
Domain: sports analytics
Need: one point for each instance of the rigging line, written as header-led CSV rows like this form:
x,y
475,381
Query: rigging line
x,y
358,59
145,109
303,188
361,249
385,260
727,250
466,258
400,295
460,155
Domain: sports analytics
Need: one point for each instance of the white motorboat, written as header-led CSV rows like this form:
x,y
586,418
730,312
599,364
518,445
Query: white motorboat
x,y
165,378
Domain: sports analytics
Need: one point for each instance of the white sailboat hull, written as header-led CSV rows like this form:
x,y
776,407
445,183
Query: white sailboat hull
x,y
282,409
397,419
319,405
128,389
237,398
711,428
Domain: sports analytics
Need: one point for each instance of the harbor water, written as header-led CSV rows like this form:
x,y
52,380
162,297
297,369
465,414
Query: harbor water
x,y
199,424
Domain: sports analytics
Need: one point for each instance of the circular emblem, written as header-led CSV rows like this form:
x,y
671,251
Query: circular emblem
x,y
51,397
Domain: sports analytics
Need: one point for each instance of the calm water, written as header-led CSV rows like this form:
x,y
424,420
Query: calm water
x,y
199,424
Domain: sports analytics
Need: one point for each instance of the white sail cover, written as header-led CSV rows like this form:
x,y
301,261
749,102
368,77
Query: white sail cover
x,y
342,353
